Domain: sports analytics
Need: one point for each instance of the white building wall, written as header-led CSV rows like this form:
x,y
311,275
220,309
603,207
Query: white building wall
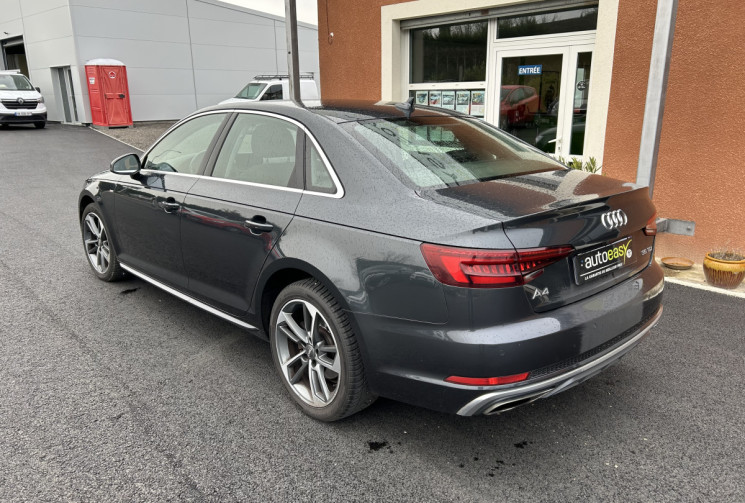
x,y
231,44
49,42
181,55
152,40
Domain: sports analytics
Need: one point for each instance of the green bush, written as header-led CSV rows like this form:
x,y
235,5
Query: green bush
x,y
591,166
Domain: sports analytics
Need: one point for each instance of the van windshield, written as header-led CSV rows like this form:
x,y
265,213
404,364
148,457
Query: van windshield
x,y
251,91
15,83
437,152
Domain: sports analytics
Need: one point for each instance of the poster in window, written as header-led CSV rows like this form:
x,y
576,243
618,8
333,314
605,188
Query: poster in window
x,y
421,98
448,99
463,101
435,98
477,103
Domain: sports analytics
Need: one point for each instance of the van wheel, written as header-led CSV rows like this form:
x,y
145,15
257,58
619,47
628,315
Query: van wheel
x,y
40,125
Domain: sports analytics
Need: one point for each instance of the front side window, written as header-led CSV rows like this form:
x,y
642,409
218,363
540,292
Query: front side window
x,y
260,149
184,148
438,152
15,83
273,93
449,53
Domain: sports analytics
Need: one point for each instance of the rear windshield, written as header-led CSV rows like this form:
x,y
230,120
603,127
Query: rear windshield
x,y
437,152
251,91
15,83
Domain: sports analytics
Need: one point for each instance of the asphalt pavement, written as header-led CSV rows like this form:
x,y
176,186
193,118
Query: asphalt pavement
x,y
121,392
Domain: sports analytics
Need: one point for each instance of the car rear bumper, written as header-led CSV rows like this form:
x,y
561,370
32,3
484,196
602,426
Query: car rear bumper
x,y
409,361
495,402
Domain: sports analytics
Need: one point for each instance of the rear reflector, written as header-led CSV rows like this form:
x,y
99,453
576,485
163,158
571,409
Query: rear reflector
x,y
487,381
651,228
478,268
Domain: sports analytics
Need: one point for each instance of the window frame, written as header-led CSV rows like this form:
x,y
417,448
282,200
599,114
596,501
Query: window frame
x,y
303,136
208,153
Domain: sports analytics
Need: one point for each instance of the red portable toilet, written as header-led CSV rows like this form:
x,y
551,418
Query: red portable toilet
x,y
108,92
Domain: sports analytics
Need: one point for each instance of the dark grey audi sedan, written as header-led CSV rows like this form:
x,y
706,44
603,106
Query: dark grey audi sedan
x,y
415,254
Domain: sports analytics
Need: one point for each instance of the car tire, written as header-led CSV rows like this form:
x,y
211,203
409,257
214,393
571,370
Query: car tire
x,y
97,245
321,368
40,125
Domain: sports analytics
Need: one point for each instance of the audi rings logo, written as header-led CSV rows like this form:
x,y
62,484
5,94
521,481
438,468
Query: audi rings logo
x,y
614,219
20,101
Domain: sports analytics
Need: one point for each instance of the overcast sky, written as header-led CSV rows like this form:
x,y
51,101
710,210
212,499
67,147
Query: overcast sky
x,y
307,10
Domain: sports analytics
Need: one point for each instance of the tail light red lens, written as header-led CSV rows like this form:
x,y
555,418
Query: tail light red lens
x,y
651,228
487,381
478,268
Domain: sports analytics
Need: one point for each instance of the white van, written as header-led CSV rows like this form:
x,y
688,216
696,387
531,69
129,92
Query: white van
x,y
275,87
20,102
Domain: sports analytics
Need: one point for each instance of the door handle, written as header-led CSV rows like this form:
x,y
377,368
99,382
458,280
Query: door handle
x,y
258,225
169,206
121,95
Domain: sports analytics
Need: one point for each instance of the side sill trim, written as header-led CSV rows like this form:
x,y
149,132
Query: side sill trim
x,y
186,298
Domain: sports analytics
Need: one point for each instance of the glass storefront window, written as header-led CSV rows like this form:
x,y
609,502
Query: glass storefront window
x,y
529,98
449,53
546,23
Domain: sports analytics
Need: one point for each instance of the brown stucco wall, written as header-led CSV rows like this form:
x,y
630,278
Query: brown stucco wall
x,y
699,172
703,128
350,63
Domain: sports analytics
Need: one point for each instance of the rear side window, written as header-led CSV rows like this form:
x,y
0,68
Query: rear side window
x,y
260,149
437,152
318,178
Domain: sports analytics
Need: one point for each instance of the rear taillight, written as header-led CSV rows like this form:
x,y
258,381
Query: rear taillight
x,y
487,381
489,268
651,228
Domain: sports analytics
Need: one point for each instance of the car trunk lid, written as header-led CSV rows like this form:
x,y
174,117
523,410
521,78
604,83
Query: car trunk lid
x,y
601,218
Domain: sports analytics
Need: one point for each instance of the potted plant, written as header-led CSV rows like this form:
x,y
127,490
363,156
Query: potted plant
x,y
725,269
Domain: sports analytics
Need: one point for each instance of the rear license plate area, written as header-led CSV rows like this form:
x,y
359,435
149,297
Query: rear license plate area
x,y
603,261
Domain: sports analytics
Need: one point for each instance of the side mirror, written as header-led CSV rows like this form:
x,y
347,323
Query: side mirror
x,y
37,89
128,164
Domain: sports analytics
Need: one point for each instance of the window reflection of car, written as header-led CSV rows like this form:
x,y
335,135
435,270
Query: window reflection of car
x,y
518,105
546,139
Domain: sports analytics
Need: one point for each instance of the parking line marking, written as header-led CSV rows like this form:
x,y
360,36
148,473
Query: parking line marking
x,y
114,138
708,288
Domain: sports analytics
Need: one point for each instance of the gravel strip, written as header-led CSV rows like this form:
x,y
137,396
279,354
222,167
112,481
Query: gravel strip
x,y
141,135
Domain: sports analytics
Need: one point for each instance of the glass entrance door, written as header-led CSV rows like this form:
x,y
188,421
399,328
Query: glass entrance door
x,y
543,96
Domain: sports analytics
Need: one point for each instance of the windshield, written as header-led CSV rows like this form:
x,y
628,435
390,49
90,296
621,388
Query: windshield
x,y
251,91
15,83
438,152
503,93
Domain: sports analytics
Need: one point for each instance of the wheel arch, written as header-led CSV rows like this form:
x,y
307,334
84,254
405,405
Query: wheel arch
x,y
85,199
278,275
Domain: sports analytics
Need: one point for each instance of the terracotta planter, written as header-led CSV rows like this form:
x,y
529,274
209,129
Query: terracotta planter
x,y
724,273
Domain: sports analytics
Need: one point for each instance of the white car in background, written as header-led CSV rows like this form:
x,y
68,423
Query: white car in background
x,y
20,102
275,87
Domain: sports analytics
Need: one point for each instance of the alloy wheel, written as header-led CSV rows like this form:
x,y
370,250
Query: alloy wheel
x,y
96,241
308,353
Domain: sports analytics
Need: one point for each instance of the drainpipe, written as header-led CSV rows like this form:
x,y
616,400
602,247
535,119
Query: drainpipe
x,y
659,67
293,62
